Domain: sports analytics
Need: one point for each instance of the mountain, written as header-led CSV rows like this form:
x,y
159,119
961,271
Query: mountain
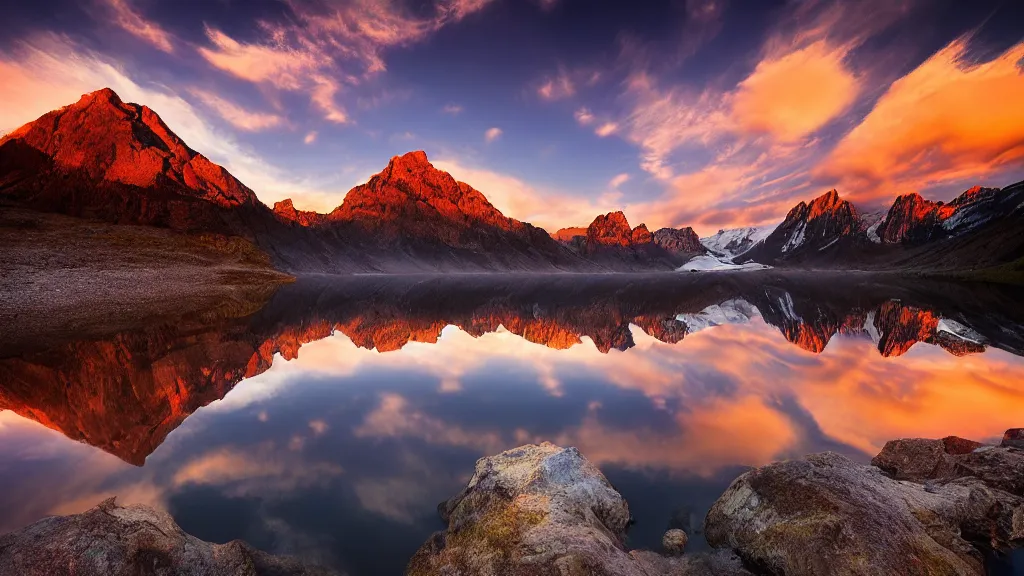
x,y
976,233
609,240
411,201
733,242
809,229
567,234
286,211
912,219
103,158
106,159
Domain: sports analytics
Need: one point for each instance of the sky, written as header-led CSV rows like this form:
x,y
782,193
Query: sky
x,y
704,113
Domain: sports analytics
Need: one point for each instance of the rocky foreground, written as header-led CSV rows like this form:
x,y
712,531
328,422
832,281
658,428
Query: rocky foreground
x,y
113,540
923,507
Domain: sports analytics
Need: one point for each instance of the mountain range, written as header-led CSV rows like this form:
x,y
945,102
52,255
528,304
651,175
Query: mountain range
x,y
102,158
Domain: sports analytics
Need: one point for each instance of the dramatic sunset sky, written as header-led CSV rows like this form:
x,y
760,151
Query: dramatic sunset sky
x,y
710,113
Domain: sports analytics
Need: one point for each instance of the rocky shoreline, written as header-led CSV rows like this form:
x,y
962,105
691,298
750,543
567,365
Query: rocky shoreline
x,y
923,507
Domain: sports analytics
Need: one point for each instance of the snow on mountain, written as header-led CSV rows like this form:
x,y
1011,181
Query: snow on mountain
x,y
959,330
708,263
729,312
873,220
735,241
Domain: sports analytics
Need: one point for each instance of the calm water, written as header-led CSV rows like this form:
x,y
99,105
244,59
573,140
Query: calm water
x,y
338,416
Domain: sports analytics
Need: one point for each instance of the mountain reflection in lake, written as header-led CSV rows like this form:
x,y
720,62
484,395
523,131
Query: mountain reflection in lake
x,y
671,384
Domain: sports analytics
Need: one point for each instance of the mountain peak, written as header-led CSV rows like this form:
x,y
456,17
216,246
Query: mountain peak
x,y
611,229
103,95
106,139
825,204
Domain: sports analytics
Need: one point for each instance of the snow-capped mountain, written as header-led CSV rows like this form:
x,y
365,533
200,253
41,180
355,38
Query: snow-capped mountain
x,y
735,241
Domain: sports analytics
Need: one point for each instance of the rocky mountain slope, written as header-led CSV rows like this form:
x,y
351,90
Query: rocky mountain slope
x,y
110,160
808,229
609,240
102,158
975,231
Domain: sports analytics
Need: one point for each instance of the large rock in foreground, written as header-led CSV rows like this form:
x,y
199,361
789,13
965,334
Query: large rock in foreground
x,y
926,507
112,540
545,510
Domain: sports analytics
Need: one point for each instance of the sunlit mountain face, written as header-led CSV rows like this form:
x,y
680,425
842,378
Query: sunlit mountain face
x,y
330,422
710,114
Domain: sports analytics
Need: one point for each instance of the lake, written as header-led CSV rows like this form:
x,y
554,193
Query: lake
x,y
330,422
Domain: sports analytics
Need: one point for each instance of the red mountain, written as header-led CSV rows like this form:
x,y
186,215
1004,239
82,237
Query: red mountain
x,y
102,157
411,198
286,211
914,219
610,236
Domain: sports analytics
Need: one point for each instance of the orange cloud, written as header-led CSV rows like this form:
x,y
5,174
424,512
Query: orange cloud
x,y
795,95
133,22
236,115
945,121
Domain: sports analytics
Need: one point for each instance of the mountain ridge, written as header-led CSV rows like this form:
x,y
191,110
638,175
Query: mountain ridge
x,y
103,158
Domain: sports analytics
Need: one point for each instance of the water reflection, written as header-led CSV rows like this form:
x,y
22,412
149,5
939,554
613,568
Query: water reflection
x,y
672,385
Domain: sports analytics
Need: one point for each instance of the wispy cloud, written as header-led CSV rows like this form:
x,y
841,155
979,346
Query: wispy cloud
x,y
557,87
236,115
310,137
131,21
618,180
492,134
584,116
328,45
453,109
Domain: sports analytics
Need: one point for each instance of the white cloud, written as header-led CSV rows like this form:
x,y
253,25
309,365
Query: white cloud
x,y
238,117
618,180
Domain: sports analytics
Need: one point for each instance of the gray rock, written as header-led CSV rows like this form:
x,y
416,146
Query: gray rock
x,y
112,540
1014,438
544,510
827,515
674,541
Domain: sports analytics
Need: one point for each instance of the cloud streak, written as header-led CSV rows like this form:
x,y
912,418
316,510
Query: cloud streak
x,y
131,21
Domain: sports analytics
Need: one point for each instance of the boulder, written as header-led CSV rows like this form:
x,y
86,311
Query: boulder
x,y
826,515
1014,438
544,510
924,507
674,541
112,540
920,459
